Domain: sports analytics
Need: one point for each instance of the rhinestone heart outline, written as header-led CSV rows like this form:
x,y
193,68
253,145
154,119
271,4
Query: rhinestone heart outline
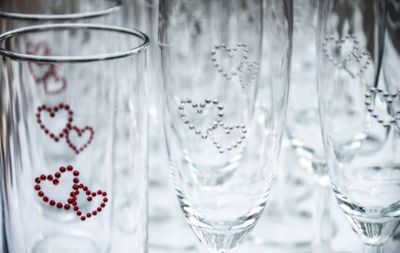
x,y
388,99
79,131
52,112
72,202
217,122
55,179
199,109
354,55
228,130
90,196
230,51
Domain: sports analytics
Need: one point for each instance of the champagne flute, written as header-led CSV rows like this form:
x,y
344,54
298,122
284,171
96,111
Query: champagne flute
x,y
223,127
354,103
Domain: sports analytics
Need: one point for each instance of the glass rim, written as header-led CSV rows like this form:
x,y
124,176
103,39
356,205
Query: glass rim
x,y
71,59
59,17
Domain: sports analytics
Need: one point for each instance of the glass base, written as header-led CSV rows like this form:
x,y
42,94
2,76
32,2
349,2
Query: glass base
x,y
63,243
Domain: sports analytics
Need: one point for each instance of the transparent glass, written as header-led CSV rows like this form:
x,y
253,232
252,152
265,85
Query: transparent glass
x,y
391,57
354,104
63,189
223,127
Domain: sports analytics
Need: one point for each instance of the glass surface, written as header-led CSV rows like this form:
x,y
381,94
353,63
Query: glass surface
x,y
70,115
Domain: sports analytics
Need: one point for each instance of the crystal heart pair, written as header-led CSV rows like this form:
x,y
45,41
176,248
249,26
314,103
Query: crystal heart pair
x,y
384,107
45,73
71,197
210,122
345,54
65,129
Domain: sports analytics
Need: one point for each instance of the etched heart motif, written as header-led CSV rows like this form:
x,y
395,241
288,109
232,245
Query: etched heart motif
x,y
231,137
53,84
72,195
383,106
340,51
228,60
54,180
248,73
58,118
79,138
40,71
202,117
90,197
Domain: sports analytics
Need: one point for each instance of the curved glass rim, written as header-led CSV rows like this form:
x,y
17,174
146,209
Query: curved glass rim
x,y
68,59
60,17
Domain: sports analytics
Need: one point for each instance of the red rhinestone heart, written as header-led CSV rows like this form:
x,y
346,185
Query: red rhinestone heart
x,y
80,132
52,111
90,197
55,179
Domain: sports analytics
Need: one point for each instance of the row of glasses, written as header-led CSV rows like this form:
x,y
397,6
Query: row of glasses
x,y
74,157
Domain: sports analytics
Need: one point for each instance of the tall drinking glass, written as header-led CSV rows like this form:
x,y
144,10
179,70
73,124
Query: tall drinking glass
x,y
58,152
391,57
223,127
354,103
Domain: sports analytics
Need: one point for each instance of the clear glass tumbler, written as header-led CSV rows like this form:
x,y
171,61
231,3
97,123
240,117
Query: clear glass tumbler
x,y
59,153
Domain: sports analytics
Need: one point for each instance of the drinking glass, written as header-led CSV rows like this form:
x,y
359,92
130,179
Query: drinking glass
x,y
58,153
355,103
391,57
223,127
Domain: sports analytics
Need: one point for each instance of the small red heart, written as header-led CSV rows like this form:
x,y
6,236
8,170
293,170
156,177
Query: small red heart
x,y
39,70
80,132
53,84
90,197
55,179
52,111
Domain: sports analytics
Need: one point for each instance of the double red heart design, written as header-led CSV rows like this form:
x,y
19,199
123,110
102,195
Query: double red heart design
x,y
45,73
64,129
72,201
